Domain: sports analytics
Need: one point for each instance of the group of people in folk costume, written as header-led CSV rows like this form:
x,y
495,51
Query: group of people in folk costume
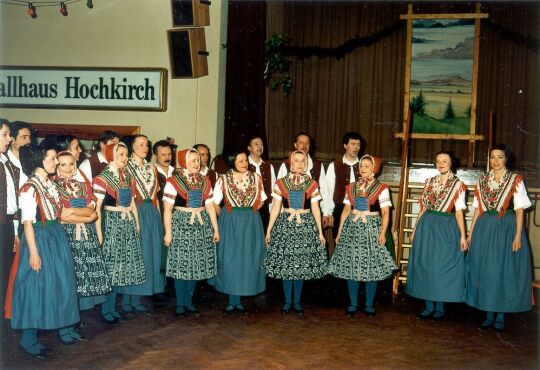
x,y
119,224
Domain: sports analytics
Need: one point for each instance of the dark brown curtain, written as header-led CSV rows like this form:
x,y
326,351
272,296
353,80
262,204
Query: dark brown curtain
x,y
245,90
363,89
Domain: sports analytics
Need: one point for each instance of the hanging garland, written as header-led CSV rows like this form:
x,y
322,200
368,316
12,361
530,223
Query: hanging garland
x,y
349,46
346,48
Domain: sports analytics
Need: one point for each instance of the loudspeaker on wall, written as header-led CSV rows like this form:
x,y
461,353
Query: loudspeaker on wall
x,y
190,13
187,52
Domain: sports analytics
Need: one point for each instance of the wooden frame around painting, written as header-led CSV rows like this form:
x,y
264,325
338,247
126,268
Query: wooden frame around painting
x,y
441,74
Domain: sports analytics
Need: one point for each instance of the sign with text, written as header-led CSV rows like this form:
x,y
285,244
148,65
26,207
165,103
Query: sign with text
x,y
83,88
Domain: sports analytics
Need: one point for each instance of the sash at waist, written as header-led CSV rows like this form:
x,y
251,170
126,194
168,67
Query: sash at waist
x,y
295,213
195,212
125,211
362,215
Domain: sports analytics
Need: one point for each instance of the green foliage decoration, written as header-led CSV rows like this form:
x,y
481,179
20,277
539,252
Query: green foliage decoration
x,y
276,66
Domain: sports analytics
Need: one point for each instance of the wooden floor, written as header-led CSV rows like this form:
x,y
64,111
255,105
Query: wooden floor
x,y
324,338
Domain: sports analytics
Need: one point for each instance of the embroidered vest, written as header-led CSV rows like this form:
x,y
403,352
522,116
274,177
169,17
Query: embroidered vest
x,y
343,178
266,174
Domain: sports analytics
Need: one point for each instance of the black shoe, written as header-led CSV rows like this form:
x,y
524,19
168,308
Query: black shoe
x,y
42,354
485,325
240,309
351,311
229,310
78,337
424,315
180,311
298,309
286,308
370,313
109,318
192,310
70,340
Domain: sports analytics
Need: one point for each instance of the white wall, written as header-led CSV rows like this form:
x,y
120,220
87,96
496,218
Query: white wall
x,y
121,33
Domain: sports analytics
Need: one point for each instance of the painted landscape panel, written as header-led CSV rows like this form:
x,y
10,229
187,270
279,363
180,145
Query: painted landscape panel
x,y
441,75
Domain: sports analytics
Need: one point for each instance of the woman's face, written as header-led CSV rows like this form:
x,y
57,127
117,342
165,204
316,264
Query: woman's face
x,y
193,163
66,166
497,159
366,168
298,162
241,163
121,157
50,161
443,162
140,147
75,149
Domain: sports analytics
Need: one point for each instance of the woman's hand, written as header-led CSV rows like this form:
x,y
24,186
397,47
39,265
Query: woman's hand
x,y
100,238
469,240
167,240
338,237
216,237
322,239
35,262
516,244
267,239
382,239
464,244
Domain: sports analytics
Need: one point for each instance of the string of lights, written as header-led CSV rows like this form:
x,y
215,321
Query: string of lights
x,y
33,5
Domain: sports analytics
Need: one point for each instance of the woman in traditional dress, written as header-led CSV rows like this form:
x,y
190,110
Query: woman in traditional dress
x,y
114,189
498,276
360,253
191,229
436,269
241,247
44,291
151,235
91,272
296,245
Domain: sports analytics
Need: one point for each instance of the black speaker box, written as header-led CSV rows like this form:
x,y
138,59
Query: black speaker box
x,y
187,51
190,13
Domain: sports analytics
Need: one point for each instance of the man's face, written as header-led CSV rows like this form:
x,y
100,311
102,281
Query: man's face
x,y
5,138
302,143
352,148
163,156
203,153
23,138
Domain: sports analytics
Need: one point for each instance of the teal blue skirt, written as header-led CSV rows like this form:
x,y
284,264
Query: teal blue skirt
x,y
436,268
46,299
498,279
240,253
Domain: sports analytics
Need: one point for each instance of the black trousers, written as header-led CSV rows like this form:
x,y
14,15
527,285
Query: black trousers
x,y
7,237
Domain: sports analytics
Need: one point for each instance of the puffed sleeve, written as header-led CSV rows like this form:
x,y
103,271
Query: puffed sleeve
x,y
315,195
99,188
169,193
384,198
218,192
276,192
521,199
210,198
460,204
28,204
